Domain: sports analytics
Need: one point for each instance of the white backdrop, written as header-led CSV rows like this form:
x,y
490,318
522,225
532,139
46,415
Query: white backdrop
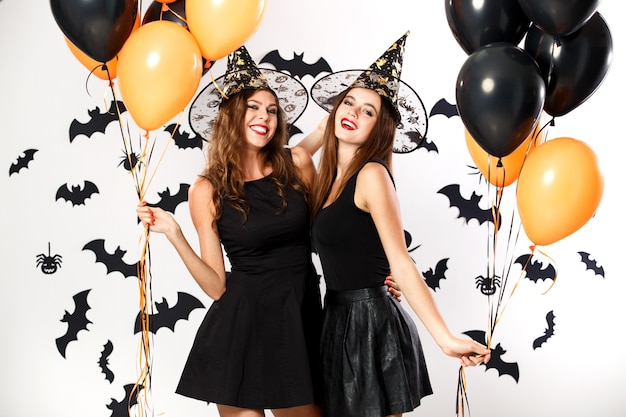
x,y
578,372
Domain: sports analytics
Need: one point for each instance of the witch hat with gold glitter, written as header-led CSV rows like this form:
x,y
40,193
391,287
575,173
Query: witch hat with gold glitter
x,y
242,73
383,76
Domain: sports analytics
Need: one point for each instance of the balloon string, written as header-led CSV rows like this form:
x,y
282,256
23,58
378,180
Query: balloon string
x,y
149,179
143,384
224,96
138,171
462,400
169,9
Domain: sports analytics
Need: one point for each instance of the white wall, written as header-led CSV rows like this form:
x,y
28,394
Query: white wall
x,y
578,372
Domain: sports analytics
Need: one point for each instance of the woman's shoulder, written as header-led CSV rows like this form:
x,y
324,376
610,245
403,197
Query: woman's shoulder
x,y
200,189
374,172
300,156
303,161
375,167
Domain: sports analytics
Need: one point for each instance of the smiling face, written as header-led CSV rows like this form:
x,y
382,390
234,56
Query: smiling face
x,y
356,116
261,118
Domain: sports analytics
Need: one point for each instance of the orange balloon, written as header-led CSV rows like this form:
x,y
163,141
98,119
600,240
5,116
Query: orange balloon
x,y
222,26
503,171
95,67
158,71
559,189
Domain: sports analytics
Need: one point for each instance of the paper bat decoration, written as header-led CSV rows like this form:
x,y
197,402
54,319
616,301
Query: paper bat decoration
x,y
433,278
77,195
166,316
468,209
22,161
445,108
548,333
496,362
120,408
405,143
428,145
408,239
182,140
293,130
76,321
168,201
103,362
112,261
98,122
534,269
414,140
591,264
296,66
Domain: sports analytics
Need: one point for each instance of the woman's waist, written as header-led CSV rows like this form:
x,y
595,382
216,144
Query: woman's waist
x,y
274,259
357,294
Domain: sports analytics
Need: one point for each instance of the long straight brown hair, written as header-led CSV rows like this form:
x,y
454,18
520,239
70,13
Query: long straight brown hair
x,y
224,168
379,145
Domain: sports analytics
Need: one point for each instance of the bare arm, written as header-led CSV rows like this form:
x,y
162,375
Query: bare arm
x,y
207,269
376,194
314,140
304,165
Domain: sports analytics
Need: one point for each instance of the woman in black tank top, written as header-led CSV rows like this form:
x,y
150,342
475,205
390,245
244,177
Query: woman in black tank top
x,y
372,360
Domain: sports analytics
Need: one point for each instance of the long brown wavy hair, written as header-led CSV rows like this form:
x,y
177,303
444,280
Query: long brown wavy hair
x,y
379,145
224,168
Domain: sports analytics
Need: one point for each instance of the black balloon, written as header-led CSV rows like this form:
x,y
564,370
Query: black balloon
x,y
573,66
174,12
500,95
559,17
98,28
476,25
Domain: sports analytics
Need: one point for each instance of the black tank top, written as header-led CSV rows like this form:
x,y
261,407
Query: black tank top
x,y
348,244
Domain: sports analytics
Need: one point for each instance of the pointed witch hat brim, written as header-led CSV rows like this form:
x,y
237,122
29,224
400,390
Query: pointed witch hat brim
x,y
242,73
383,76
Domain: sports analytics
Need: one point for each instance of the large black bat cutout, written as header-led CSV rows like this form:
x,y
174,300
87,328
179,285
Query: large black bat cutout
x,y
98,122
296,66
112,261
77,195
468,209
167,316
22,161
496,362
76,321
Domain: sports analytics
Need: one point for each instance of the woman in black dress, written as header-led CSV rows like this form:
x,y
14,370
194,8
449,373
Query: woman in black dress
x,y
257,347
372,360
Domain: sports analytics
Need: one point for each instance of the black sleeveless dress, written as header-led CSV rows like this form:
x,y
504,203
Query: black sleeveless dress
x,y
258,344
372,359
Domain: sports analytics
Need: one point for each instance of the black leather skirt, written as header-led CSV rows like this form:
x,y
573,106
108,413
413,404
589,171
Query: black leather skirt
x,y
372,359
